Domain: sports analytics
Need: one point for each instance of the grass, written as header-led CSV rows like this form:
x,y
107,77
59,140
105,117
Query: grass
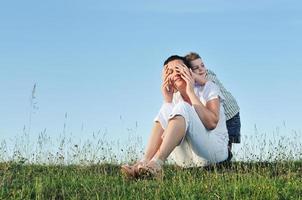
x,y
241,180
91,170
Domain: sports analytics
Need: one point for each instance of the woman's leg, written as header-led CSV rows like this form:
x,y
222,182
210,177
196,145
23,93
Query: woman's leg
x,y
161,123
209,145
184,121
154,142
173,135
131,171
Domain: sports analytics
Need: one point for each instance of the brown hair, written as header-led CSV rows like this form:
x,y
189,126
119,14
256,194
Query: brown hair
x,y
192,56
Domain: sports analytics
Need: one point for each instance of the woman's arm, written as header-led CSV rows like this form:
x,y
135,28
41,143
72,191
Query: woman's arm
x,y
209,113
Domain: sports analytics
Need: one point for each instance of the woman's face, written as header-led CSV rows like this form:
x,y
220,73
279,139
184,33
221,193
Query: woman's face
x,y
175,77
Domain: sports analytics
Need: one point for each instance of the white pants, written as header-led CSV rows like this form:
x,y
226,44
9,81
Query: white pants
x,y
199,147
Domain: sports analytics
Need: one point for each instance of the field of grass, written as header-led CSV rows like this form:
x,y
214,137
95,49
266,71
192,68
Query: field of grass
x,y
249,180
64,168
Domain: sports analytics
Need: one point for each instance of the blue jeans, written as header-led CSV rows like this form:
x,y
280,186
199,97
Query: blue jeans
x,y
233,126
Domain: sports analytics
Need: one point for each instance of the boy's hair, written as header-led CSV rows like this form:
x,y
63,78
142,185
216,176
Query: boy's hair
x,y
176,57
192,56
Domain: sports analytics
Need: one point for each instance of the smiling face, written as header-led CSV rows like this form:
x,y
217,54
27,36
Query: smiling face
x,y
198,67
178,83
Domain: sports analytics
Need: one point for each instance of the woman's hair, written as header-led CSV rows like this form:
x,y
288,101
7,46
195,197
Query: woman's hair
x,y
177,57
192,56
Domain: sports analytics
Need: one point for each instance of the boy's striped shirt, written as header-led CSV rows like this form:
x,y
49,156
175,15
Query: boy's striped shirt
x,y
230,105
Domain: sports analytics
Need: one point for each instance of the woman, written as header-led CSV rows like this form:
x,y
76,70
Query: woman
x,y
190,124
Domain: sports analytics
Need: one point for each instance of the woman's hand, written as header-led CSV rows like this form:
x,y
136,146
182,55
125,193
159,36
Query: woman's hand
x,y
187,76
167,88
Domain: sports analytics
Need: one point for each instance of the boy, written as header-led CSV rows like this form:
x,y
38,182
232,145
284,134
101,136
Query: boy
x,y
230,105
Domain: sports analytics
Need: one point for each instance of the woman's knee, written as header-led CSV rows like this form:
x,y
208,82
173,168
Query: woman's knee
x,y
179,118
183,105
183,109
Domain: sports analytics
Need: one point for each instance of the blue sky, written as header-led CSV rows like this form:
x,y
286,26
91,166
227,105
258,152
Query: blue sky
x,y
100,61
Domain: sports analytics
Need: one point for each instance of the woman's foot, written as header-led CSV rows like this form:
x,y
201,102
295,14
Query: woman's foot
x,y
129,171
132,171
152,170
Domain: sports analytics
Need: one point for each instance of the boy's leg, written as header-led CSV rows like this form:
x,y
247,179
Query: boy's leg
x,y
234,126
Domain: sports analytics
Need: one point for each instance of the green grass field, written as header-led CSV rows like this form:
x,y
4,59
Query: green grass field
x,y
253,180
63,168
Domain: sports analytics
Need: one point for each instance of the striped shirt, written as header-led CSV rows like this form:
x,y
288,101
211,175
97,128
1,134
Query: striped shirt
x,y
230,105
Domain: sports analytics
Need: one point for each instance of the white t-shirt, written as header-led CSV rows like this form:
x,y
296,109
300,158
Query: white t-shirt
x,y
205,93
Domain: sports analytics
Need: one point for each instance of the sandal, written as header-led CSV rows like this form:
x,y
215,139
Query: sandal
x,y
132,171
152,170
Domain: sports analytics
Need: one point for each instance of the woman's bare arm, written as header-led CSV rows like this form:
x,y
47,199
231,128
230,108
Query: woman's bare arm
x,y
208,114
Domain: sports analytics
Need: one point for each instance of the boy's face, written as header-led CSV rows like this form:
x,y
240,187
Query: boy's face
x,y
198,67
